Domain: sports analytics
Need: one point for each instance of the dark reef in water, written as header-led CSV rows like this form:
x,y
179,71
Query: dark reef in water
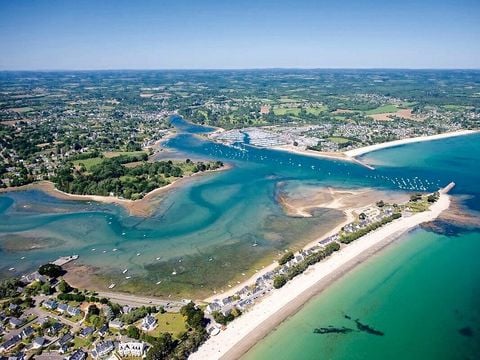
x,y
344,330
466,331
368,329
332,330
442,227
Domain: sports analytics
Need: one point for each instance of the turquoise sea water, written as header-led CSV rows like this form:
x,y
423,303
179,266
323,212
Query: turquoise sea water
x,y
209,223
422,293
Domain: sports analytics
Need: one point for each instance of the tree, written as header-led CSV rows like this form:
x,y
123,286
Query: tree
x,y
415,197
279,281
93,310
51,270
133,332
64,287
47,289
286,258
195,316
162,347
380,204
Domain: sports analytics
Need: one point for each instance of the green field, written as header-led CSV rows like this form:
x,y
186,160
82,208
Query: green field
x,y
89,163
382,109
296,111
111,154
286,111
455,107
172,323
338,140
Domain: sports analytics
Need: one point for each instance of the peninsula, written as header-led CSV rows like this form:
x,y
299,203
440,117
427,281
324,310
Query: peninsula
x,y
276,305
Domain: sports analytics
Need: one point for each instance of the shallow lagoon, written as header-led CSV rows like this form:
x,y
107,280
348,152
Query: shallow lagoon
x,y
206,224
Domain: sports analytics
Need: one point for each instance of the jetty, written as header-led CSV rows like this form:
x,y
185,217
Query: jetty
x,y
64,260
447,188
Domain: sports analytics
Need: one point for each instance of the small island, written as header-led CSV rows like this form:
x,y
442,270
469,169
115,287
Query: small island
x,y
127,176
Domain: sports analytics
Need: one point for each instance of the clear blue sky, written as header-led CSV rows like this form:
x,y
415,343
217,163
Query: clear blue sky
x,y
141,34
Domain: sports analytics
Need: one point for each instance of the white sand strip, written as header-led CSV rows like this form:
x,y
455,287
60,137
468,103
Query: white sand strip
x,y
243,332
367,149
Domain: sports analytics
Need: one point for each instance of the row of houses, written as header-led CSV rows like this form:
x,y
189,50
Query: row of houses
x,y
61,307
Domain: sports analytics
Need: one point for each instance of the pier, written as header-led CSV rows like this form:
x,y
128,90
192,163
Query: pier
x,y
64,260
447,188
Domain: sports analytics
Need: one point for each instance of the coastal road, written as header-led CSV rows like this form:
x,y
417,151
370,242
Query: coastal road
x,y
136,301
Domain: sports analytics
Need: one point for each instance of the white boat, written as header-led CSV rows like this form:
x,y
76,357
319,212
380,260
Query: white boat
x,y
124,271
111,286
127,277
159,282
114,249
138,254
158,258
22,258
174,273
11,269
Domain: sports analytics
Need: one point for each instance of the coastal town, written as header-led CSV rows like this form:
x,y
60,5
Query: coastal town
x,y
290,265
43,317
74,117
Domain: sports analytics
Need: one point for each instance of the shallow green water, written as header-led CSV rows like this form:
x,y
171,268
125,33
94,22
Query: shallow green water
x,y
206,225
423,292
420,293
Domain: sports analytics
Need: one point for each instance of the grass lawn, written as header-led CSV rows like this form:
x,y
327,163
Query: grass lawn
x,y
455,107
338,140
408,104
22,110
79,342
88,162
111,154
287,100
172,323
382,109
296,111
286,111
418,206
316,110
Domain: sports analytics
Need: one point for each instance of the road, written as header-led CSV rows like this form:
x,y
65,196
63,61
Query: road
x,y
136,301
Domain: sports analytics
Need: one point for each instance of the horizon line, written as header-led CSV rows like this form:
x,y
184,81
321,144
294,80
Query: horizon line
x,y
244,69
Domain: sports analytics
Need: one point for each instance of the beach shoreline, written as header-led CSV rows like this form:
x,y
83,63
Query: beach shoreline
x,y
336,202
351,155
243,333
367,149
142,207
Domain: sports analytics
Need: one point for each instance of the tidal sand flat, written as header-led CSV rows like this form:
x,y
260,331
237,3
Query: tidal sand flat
x,y
194,230
245,331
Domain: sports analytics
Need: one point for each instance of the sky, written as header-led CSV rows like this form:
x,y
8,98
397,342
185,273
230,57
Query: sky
x,y
229,34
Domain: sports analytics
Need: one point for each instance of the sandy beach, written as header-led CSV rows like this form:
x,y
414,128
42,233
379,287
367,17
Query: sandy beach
x,y
142,207
366,149
321,154
350,202
351,155
252,326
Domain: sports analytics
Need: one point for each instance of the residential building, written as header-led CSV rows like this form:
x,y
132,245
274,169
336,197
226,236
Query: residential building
x,y
131,348
149,323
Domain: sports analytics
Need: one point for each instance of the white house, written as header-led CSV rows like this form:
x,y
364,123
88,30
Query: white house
x,y
131,348
149,323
